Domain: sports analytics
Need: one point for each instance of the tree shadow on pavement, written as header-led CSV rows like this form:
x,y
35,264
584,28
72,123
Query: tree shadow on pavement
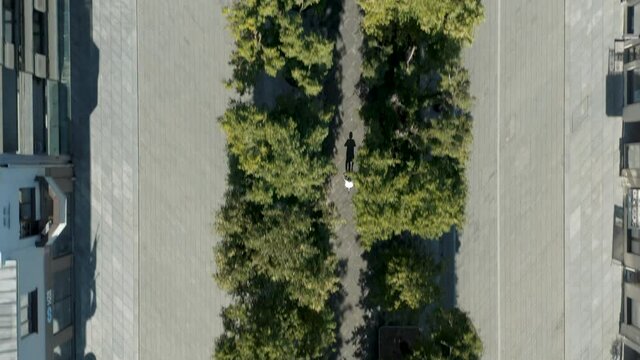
x,y
332,93
268,89
365,337
449,245
336,302
85,57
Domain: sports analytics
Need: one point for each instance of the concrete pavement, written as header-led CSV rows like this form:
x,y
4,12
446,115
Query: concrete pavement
x,y
150,166
534,269
105,155
183,54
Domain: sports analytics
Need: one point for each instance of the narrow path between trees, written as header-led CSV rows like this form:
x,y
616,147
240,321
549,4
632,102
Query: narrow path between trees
x,y
347,248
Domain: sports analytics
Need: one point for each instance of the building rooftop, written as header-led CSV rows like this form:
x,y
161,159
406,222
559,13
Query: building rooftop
x,y
8,310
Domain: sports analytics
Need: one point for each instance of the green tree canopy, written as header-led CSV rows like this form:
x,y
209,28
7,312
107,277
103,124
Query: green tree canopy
x,y
286,242
270,37
271,327
403,277
281,150
417,88
417,110
425,104
411,194
455,18
453,337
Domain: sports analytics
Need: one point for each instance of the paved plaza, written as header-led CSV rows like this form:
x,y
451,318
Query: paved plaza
x,y
534,267
183,54
105,155
151,169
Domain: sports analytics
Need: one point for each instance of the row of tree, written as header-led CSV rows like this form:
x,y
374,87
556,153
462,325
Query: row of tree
x,y
452,336
403,281
411,177
275,257
278,37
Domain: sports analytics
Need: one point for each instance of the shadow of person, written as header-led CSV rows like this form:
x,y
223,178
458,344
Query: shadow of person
x,y
351,152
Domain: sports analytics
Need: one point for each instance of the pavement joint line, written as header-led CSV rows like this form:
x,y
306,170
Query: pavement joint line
x,y
137,65
564,182
498,114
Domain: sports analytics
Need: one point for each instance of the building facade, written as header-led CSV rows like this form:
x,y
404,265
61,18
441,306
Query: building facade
x,y
626,249
35,77
36,302
36,182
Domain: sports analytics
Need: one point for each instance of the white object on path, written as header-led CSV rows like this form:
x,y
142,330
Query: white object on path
x,y
348,183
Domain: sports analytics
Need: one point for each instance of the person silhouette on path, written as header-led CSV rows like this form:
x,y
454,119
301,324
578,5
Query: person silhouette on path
x,y
351,151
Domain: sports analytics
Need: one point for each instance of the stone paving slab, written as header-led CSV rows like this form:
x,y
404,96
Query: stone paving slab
x,y
534,268
105,154
592,186
183,52
151,167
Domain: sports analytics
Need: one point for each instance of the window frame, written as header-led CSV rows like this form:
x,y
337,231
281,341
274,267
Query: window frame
x,y
25,221
29,313
9,8
40,32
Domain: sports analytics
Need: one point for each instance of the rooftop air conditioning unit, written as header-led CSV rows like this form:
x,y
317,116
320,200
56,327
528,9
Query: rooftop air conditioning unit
x,y
9,56
40,5
41,66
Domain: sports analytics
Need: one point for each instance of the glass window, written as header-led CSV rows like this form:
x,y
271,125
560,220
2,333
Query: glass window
x,y
28,223
64,87
630,276
634,246
630,19
633,86
64,51
39,32
633,211
632,156
632,13
9,111
29,313
62,301
8,20
633,241
632,54
39,116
